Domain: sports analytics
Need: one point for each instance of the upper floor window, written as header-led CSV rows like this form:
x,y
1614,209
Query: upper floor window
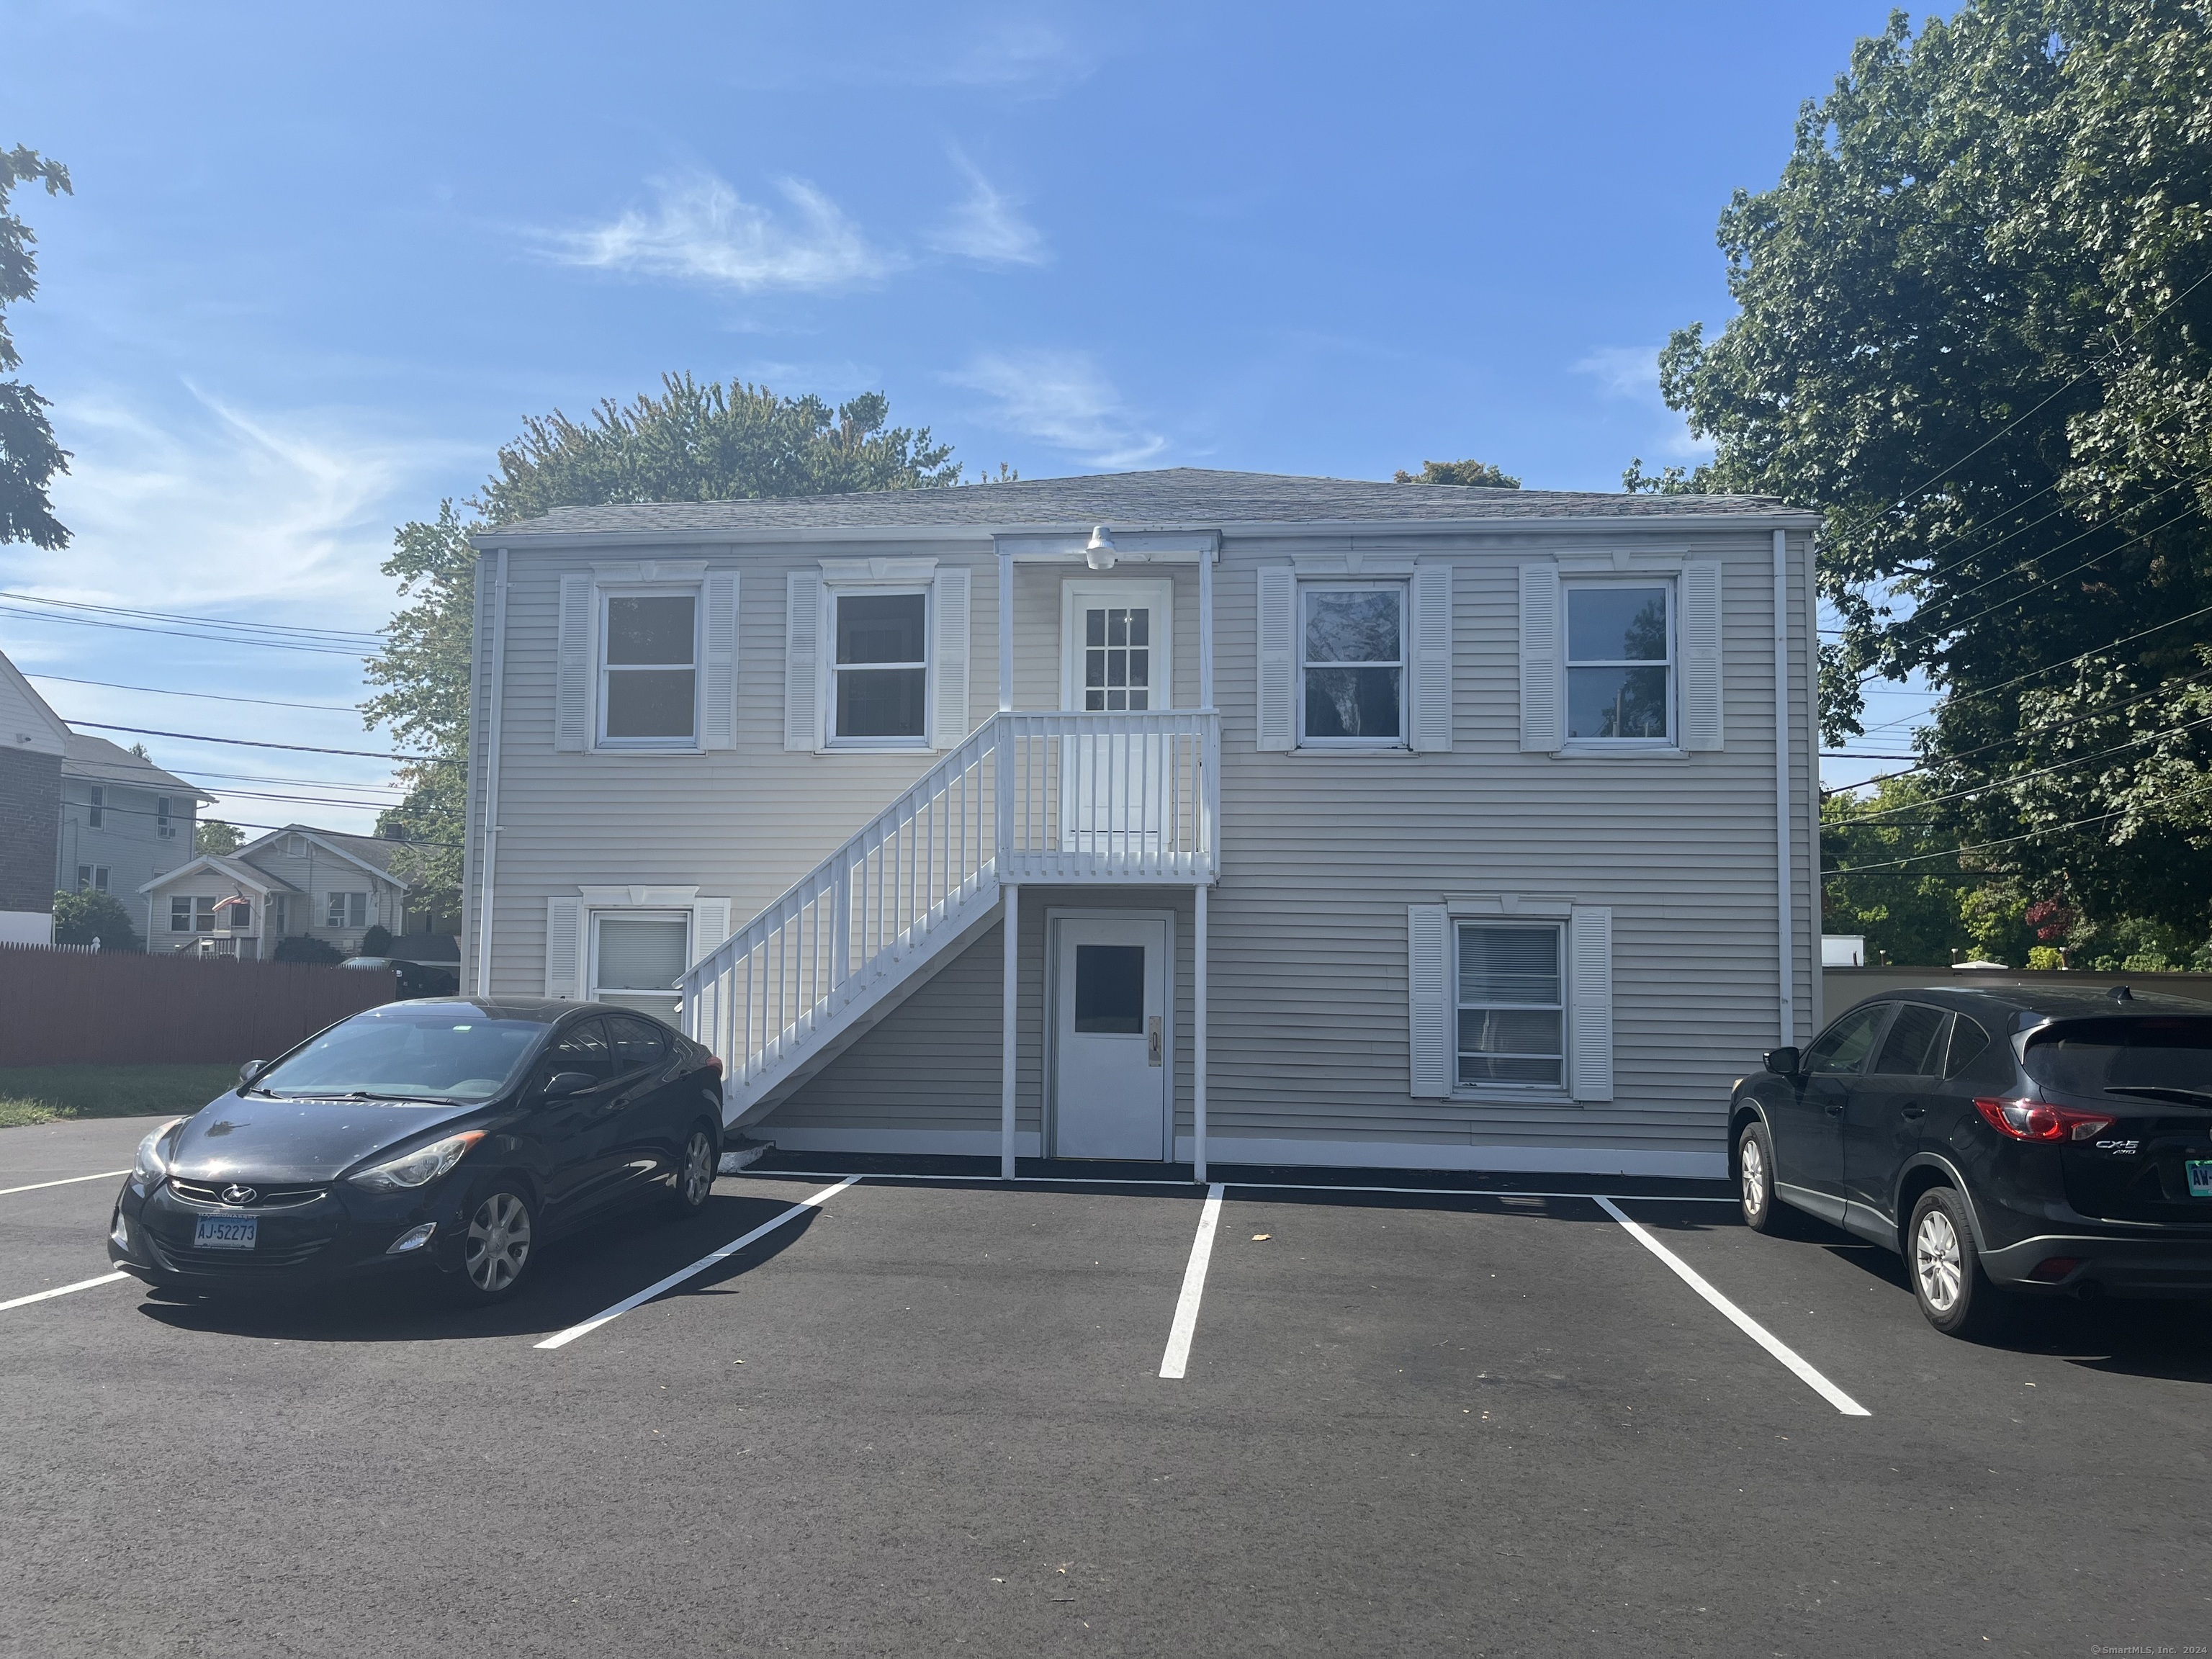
x,y
345,910
1352,665
92,877
97,814
1619,662
1511,1006
164,825
649,671
880,669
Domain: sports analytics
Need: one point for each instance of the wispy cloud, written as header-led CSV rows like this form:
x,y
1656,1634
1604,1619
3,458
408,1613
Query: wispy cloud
x,y
1018,55
1061,398
1630,375
987,227
699,229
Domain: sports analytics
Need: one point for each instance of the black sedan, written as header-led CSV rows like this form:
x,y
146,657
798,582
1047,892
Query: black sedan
x,y
451,1133
2004,1142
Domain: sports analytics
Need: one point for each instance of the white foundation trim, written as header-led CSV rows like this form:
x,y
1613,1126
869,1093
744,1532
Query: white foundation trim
x,y
1222,1149
950,1143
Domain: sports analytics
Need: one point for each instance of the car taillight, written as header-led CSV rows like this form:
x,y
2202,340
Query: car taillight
x,y
2033,1120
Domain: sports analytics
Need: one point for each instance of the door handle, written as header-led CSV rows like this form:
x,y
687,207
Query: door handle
x,y
1914,1108
1152,1040
1836,1109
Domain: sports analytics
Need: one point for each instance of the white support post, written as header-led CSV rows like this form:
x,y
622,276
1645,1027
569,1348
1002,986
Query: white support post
x,y
1205,628
1005,631
1783,737
1198,1035
1010,1003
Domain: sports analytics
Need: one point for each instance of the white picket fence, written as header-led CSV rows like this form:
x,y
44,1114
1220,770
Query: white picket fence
x,y
1066,798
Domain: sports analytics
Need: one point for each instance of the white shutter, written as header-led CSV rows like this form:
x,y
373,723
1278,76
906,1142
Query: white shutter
x,y
718,724
1429,710
1541,726
571,688
948,657
1278,607
802,661
1701,655
1589,1002
565,949
1428,977
710,925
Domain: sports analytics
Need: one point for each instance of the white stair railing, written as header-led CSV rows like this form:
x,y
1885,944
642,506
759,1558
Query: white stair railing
x,y
1059,798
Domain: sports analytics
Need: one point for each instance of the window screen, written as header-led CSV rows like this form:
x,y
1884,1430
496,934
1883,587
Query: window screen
x,y
1352,656
1619,660
636,960
1512,1006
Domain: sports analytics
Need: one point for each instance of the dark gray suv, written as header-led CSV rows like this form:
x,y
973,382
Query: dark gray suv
x,y
2004,1142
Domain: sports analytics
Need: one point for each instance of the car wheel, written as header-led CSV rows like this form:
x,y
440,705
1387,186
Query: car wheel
x,y
1754,1160
1948,1280
497,1245
694,1174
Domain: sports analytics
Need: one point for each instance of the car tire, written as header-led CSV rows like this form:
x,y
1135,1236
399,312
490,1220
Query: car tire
x,y
1955,1294
692,1180
1754,1163
499,1243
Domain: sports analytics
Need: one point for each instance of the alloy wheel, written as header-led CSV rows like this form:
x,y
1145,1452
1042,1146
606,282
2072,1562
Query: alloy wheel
x,y
1937,1261
698,1176
499,1242
1753,1164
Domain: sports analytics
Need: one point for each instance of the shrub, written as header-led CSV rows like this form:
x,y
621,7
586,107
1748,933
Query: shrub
x,y
2046,956
80,918
305,947
377,941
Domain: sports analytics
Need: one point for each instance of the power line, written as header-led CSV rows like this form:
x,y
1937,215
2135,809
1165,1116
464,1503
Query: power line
x,y
210,697
86,769
326,635
182,634
2010,841
249,743
2029,777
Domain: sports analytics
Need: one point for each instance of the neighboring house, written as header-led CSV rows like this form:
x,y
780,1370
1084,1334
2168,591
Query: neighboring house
x,y
1333,823
123,820
33,741
294,881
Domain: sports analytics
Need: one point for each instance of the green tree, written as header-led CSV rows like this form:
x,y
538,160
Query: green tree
x,y
214,835
89,915
1908,911
1480,475
29,457
1975,328
695,441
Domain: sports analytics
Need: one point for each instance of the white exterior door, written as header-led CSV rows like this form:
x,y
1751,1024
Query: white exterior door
x,y
1116,659
1110,1039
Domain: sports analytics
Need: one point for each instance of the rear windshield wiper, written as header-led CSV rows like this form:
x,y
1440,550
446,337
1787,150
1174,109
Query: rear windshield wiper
x,y
2181,1097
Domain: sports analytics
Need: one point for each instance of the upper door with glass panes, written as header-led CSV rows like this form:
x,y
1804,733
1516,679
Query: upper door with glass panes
x,y
1115,661
1620,663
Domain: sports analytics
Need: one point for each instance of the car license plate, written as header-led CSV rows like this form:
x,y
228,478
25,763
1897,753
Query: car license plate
x,y
225,1232
2199,1171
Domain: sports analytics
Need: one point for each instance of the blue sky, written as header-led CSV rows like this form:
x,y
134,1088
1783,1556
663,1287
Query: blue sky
x,y
322,261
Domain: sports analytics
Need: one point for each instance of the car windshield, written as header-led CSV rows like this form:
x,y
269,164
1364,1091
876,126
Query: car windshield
x,y
408,1054
2172,1056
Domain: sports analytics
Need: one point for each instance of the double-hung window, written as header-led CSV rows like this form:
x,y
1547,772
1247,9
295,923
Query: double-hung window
x,y
649,671
1511,1009
1619,663
345,910
879,670
192,916
92,877
1352,665
96,813
637,957
164,825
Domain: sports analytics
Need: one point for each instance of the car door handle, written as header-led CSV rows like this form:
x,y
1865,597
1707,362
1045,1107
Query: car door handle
x,y
1914,1108
1836,1109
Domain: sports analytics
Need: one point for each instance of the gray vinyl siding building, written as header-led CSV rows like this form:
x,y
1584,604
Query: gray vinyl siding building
x,y
1356,893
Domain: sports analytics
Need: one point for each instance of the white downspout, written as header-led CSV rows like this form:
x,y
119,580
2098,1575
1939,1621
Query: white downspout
x,y
1784,735
1009,1007
1198,943
497,689
1006,632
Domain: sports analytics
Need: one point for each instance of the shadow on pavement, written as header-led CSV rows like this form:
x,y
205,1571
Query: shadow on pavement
x,y
575,1277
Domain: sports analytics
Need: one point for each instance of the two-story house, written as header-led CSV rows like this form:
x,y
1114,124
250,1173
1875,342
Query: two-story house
x,y
32,742
123,820
1179,816
296,881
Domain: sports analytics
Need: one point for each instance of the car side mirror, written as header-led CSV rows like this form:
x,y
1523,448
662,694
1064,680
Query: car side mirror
x,y
561,1084
1782,1062
251,1070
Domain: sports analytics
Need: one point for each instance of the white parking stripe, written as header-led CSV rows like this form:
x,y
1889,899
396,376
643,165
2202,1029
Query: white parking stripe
x,y
66,1180
61,1290
1176,1360
1743,1322
1255,1186
564,1338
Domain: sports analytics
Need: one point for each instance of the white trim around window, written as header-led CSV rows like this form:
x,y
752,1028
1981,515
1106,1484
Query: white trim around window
x,y
886,698
1619,663
645,659
1352,663
1511,999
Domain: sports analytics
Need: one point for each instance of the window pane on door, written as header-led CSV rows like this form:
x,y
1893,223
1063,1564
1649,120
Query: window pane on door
x,y
1117,658
1109,989
1910,1050
1844,1047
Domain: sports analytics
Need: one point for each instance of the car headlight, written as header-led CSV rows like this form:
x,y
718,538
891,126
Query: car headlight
x,y
147,1165
420,1167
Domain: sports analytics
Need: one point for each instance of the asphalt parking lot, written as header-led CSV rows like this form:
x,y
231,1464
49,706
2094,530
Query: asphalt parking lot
x,y
929,1416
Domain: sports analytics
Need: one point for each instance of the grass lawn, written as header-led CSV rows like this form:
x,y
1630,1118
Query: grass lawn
x,y
45,1094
